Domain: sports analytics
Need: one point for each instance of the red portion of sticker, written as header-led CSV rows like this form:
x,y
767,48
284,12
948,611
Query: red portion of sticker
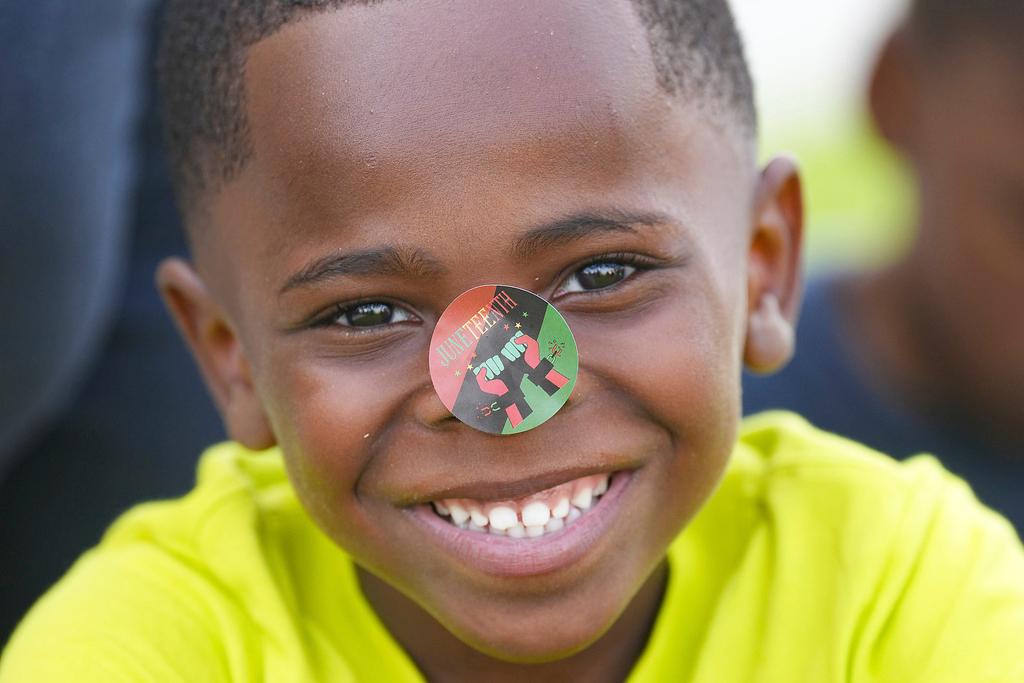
x,y
453,344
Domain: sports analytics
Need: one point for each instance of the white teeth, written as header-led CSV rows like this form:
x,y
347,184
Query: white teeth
x,y
459,513
502,518
537,518
583,498
478,517
536,514
540,516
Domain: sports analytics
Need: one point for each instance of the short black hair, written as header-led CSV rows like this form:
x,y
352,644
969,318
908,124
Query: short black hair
x,y
201,64
944,25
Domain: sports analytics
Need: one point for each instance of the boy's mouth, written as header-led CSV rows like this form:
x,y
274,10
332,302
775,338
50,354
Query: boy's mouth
x,y
541,532
531,516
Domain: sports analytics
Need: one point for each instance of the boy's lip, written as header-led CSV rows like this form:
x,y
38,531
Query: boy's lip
x,y
490,490
503,556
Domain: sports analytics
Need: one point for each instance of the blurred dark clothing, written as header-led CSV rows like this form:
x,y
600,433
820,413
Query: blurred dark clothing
x,y
825,385
67,132
141,416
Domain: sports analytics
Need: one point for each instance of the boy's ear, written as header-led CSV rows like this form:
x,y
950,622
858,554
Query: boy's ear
x,y
893,90
218,351
774,268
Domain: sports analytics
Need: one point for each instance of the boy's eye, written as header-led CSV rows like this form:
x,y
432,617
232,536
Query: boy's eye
x,y
371,314
597,276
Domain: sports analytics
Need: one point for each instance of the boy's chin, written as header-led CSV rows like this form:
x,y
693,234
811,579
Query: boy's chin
x,y
551,624
563,623
537,639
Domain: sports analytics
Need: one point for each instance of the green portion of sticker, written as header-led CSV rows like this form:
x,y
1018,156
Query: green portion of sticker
x,y
558,346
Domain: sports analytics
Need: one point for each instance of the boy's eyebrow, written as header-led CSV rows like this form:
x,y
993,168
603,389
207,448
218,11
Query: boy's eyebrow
x,y
392,261
385,260
566,230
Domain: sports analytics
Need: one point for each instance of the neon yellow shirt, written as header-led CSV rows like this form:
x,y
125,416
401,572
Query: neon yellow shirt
x,y
815,560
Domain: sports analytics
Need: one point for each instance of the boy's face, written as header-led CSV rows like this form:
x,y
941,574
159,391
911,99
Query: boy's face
x,y
411,151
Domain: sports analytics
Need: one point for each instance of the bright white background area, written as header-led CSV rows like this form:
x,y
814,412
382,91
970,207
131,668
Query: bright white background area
x,y
810,58
810,61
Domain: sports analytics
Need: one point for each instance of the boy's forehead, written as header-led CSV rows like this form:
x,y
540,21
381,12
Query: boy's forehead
x,y
410,69
407,79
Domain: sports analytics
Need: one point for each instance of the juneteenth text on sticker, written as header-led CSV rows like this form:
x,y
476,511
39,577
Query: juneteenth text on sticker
x,y
452,348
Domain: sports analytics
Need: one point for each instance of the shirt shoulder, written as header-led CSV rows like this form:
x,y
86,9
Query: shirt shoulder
x,y
873,569
163,596
232,582
134,611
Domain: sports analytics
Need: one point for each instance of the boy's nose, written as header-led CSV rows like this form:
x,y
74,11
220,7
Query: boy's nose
x,y
428,410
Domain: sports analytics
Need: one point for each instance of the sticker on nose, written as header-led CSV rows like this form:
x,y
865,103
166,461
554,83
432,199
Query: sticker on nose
x,y
502,359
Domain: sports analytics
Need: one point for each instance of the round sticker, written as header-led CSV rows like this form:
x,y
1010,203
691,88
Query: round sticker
x,y
502,359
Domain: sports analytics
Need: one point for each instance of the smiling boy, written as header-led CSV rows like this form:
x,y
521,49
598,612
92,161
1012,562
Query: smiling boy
x,y
347,170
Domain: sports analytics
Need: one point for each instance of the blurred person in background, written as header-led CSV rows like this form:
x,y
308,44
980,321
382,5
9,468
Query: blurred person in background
x,y
67,130
99,403
927,353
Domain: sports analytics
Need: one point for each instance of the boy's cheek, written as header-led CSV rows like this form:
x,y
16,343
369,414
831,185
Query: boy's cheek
x,y
328,416
677,357
675,365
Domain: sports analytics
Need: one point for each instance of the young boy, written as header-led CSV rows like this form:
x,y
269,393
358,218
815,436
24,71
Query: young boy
x,y
934,357
348,170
